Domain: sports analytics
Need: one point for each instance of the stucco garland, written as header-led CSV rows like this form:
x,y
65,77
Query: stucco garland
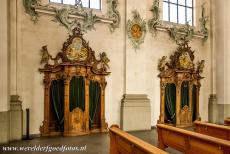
x,y
83,17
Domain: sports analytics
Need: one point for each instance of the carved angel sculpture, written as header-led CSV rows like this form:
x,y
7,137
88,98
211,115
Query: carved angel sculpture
x,y
45,55
200,66
104,61
162,66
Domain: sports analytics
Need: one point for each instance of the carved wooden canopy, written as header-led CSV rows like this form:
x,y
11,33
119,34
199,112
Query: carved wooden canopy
x,y
75,51
181,61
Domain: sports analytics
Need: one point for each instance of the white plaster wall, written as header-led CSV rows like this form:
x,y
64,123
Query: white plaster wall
x,y
132,72
4,56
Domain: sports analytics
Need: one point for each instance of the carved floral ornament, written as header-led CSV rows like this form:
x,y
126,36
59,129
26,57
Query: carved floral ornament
x,y
72,16
136,29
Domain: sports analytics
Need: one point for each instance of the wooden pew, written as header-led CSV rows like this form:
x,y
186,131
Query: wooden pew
x,y
190,142
214,130
227,121
124,143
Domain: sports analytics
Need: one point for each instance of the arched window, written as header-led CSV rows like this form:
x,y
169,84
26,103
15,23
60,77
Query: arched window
x,y
93,4
179,11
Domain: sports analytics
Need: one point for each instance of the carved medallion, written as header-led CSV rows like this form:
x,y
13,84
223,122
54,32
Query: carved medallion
x,y
185,61
76,51
136,30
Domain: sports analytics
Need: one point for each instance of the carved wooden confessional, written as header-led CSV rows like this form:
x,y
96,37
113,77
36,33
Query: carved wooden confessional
x,y
180,86
74,89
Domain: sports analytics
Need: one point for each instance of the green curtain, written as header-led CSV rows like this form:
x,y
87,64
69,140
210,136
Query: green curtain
x,y
77,93
185,94
170,102
194,98
57,99
94,100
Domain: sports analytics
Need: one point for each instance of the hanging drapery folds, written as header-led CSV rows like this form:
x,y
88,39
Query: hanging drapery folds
x,y
77,93
74,89
180,85
94,101
170,102
57,100
184,94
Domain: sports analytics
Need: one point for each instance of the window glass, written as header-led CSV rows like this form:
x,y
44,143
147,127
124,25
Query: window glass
x,y
165,11
94,4
70,2
179,11
55,1
85,3
181,2
189,16
173,13
189,3
173,1
181,14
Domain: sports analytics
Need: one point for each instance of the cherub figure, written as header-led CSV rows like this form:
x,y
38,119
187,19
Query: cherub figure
x,y
104,61
45,55
162,66
200,66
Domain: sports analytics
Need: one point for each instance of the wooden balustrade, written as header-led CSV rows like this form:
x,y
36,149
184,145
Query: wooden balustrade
x,y
190,142
214,130
124,143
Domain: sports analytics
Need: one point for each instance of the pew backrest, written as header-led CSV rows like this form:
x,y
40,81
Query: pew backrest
x,y
190,142
214,130
124,143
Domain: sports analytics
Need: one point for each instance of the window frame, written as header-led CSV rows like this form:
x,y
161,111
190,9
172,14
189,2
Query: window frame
x,y
100,4
168,2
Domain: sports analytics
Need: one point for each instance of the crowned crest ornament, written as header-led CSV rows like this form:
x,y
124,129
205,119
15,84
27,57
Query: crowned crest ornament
x,y
181,60
136,29
76,51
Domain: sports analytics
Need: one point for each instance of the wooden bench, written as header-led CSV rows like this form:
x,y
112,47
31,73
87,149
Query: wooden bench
x,y
227,121
214,130
124,143
190,142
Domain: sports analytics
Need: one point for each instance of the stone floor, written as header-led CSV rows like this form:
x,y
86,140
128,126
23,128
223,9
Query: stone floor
x,y
95,143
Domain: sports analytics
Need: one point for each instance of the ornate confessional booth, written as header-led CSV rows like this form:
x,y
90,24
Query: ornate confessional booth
x,y
74,89
180,86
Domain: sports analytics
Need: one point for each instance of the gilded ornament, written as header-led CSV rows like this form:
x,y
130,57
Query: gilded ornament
x,y
136,29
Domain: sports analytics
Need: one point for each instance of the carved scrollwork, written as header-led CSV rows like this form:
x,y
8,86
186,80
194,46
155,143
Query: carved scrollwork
x,y
114,14
76,51
203,23
155,21
29,6
84,18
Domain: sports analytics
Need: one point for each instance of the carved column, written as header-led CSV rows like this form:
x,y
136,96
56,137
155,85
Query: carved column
x,y
66,106
198,102
178,102
103,123
87,82
190,101
44,129
162,104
